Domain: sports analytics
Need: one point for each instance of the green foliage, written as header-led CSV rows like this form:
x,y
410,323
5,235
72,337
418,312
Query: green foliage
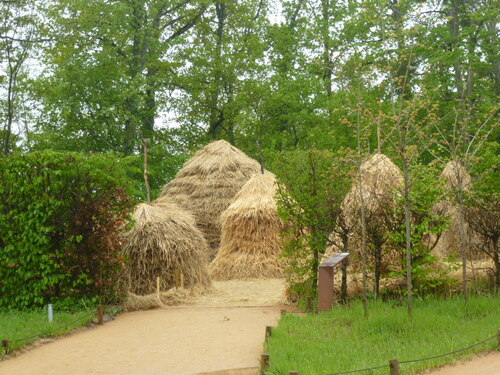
x,y
343,339
428,274
312,186
60,217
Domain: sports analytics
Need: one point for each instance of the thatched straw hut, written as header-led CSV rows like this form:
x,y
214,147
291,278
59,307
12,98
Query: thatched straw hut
x,y
164,242
456,179
380,177
207,183
251,228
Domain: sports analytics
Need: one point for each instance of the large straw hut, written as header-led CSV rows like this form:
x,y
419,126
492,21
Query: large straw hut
x,y
164,242
250,243
456,179
207,183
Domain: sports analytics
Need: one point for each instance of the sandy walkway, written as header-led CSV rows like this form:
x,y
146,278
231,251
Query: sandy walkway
x,y
222,330
488,364
163,341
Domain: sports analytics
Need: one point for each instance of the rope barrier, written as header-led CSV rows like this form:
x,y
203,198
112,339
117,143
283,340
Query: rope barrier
x,y
360,370
450,353
400,362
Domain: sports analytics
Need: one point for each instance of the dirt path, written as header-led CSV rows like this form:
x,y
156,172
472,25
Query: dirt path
x,y
218,331
488,364
221,330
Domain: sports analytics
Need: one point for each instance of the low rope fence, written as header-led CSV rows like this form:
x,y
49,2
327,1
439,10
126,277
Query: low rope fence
x,y
6,343
394,364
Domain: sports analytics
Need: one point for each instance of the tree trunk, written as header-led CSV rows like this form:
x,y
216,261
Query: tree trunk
x,y
327,68
496,260
363,242
216,114
406,197
464,243
378,268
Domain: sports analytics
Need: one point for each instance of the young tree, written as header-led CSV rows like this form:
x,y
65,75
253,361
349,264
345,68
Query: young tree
x,y
312,186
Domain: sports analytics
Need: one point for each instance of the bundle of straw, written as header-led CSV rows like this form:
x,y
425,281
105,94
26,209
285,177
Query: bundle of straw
x,y
164,243
207,183
251,243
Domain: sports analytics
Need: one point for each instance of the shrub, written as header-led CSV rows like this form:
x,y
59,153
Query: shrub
x,y
60,218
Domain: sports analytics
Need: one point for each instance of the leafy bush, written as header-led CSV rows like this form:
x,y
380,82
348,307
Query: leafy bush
x,y
312,186
60,218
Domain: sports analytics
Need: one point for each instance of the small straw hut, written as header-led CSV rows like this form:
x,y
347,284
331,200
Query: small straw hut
x,y
380,178
164,242
207,183
250,243
456,178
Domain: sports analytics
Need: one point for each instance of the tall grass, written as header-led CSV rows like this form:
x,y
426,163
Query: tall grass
x,y
23,327
342,339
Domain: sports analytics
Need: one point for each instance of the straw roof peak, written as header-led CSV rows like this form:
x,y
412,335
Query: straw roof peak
x,y
207,183
456,176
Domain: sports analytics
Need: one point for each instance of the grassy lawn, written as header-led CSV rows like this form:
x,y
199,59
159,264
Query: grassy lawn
x,y
343,340
24,327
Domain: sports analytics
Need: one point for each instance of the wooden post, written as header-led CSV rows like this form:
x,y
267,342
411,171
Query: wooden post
x,y
309,304
100,315
394,366
182,280
5,345
158,288
294,373
268,331
343,287
325,288
264,363
177,278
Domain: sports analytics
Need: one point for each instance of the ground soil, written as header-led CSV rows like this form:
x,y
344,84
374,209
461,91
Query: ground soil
x,y
218,333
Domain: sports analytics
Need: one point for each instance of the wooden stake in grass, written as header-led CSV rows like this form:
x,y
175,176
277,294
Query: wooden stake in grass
x,y
182,280
264,363
100,315
177,278
5,345
158,287
394,366
269,330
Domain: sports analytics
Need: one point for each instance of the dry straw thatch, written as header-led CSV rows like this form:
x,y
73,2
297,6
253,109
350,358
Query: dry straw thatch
x,y
380,178
251,228
456,178
164,242
207,183
174,296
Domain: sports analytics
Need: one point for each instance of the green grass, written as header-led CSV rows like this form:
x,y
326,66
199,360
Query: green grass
x,y
343,340
15,326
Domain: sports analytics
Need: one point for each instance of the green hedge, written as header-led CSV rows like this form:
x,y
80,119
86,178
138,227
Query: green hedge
x,y
60,218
